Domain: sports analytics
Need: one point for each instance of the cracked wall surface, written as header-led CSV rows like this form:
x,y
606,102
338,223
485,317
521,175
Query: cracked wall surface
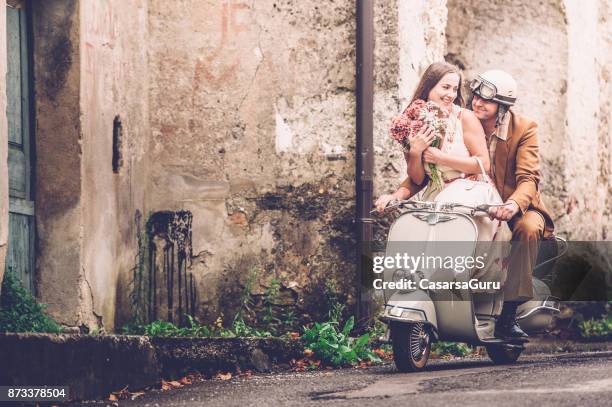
x,y
252,121
57,140
242,113
89,67
113,84
4,201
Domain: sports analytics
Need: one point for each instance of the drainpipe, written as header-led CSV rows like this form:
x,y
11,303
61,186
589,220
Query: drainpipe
x,y
364,153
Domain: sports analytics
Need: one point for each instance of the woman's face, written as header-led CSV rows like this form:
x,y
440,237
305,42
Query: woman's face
x,y
445,91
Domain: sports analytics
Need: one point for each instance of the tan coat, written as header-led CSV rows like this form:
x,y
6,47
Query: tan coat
x,y
516,169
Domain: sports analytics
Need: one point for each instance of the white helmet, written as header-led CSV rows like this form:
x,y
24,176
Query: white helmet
x,y
495,85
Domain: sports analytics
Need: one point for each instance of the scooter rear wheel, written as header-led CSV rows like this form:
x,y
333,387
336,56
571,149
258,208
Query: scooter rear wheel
x,y
504,354
411,346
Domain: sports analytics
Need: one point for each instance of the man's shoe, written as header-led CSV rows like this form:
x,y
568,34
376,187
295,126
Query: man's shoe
x,y
510,330
506,326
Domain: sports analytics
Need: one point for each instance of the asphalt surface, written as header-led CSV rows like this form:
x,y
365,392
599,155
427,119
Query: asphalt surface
x,y
571,379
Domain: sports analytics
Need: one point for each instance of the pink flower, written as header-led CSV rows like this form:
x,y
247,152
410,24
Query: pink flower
x,y
412,119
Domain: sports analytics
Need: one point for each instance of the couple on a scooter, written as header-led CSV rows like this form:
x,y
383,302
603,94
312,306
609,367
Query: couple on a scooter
x,y
486,136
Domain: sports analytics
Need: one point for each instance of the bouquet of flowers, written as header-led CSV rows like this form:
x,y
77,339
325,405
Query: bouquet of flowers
x,y
417,115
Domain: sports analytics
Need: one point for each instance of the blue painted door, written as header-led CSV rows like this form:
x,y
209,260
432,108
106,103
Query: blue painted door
x,y
20,256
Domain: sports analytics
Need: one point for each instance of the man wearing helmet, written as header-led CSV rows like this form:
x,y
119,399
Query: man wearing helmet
x,y
515,169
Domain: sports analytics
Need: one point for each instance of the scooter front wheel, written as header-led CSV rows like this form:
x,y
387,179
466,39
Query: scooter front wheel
x,y
504,354
411,346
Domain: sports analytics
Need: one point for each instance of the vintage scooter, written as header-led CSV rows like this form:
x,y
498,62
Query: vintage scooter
x,y
417,316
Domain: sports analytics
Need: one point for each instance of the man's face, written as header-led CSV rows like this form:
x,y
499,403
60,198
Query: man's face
x,y
484,109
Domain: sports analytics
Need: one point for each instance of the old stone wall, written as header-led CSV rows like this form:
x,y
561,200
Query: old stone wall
x,y
113,100
251,157
4,202
89,68
604,127
58,166
231,127
588,122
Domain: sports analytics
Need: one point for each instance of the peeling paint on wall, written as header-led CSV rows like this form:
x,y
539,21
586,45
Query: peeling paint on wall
x,y
284,135
171,292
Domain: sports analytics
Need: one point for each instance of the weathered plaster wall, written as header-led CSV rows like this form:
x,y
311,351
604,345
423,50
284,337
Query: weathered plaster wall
x,y
252,118
3,145
58,151
409,37
588,121
238,124
604,130
90,66
113,83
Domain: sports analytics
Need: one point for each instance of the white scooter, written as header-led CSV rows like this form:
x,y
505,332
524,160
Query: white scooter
x,y
417,315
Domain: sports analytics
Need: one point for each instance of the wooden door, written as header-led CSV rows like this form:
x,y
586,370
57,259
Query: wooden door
x,y
20,257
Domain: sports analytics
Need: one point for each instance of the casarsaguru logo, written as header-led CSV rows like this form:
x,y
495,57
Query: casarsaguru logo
x,y
425,284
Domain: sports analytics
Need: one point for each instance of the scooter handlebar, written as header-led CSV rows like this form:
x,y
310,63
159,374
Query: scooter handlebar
x,y
414,204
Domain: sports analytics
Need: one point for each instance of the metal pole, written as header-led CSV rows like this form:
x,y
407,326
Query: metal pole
x,y
364,153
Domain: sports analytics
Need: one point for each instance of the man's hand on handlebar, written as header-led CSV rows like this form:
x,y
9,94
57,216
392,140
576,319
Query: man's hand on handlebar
x,y
505,212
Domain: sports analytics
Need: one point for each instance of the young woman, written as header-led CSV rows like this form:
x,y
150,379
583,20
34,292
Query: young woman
x,y
464,140
463,146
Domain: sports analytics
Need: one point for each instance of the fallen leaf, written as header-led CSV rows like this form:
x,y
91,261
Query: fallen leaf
x,y
185,380
308,353
165,386
134,396
224,376
175,384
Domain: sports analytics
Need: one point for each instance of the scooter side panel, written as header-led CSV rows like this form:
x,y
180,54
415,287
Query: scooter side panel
x,y
455,317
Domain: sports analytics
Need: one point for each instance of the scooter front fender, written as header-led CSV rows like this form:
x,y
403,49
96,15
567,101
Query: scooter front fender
x,y
410,307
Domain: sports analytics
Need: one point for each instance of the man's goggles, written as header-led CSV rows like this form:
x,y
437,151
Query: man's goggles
x,y
486,90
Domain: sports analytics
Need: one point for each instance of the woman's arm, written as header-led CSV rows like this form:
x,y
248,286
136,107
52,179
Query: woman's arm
x,y
474,139
416,171
418,143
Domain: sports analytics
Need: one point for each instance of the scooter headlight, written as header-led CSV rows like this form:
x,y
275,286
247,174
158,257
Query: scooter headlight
x,y
405,313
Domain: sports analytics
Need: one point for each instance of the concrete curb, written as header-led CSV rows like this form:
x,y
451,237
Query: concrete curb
x,y
91,366
210,355
94,366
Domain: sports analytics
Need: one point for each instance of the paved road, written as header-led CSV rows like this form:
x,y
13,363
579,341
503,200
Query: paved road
x,y
540,380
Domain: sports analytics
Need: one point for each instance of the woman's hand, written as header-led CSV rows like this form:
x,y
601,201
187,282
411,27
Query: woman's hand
x,y
433,155
382,202
420,141
401,193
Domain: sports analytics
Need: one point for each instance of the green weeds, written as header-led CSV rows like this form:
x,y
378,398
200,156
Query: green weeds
x,y
334,346
596,328
451,348
19,311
